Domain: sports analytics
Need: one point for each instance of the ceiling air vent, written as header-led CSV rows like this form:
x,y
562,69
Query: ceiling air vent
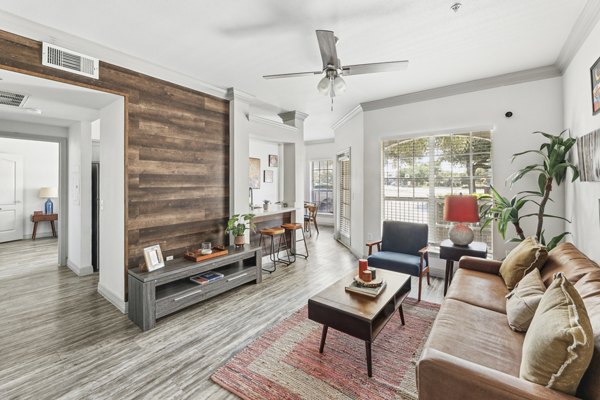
x,y
67,60
12,99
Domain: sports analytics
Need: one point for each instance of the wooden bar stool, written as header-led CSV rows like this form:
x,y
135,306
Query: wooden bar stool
x,y
275,233
295,227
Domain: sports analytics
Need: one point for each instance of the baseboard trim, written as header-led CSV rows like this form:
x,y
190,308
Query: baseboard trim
x,y
80,271
39,235
113,298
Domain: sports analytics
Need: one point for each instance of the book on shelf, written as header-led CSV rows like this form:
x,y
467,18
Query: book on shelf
x,y
207,277
367,291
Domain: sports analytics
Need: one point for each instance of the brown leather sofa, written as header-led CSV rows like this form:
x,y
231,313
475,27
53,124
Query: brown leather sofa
x,y
472,353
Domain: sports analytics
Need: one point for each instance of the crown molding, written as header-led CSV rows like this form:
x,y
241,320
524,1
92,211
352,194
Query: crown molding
x,y
235,94
292,116
267,121
347,117
513,78
587,20
24,27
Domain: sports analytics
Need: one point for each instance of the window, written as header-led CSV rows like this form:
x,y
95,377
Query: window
x,y
419,172
321,185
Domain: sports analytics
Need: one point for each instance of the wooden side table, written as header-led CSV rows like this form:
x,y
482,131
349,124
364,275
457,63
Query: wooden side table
x,y
35,218
450,252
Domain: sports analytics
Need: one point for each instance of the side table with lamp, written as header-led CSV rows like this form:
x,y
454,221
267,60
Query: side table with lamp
x,y
460,209
47,193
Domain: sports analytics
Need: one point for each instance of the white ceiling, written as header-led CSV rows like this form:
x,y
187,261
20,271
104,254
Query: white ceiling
x,y
233,43
61,104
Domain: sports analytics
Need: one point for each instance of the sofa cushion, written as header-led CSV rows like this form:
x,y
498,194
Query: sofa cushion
x,y
559,344
529,254
568,259
589,289
477,335
523,301
398,262
479,289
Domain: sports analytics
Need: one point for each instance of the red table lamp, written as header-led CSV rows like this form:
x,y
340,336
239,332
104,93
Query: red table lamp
x,y
461,209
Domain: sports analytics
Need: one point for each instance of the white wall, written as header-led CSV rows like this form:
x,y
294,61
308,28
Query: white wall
x,y
318,151
80,198
536,106
242,126
582,197
40,168
111,282
268,191
351,136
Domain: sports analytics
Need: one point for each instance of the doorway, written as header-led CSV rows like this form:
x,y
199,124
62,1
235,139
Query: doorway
x,y
65,116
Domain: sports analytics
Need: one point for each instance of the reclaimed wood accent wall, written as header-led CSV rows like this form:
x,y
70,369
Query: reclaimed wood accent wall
x,y
177,152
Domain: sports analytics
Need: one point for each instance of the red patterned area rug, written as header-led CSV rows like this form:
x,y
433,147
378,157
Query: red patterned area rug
x,y
284,363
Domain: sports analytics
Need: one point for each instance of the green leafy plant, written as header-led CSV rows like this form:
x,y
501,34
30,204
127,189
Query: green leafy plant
x,y
238,224
552,166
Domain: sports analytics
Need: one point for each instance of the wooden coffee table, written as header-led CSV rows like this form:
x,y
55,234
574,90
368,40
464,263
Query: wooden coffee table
x,y
358,315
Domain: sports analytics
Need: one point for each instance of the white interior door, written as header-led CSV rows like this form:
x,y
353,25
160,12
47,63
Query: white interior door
x,y
11,197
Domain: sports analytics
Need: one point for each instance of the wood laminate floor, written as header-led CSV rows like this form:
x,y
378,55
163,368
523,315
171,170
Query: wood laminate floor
x,y
59,338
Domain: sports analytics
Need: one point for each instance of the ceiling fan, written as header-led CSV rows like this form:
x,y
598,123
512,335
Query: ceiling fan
x,y
333,70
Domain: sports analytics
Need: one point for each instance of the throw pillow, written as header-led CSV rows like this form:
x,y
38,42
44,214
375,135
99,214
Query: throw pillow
x,y
523,301
559,344
529,254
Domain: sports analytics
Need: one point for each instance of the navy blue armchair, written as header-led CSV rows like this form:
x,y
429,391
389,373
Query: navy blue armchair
x,y
402,248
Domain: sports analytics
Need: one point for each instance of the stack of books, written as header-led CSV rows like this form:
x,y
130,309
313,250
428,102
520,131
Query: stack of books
x,y
207,277
367,291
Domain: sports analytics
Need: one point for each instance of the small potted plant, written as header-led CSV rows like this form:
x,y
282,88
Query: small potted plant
x,y
266,204
237,226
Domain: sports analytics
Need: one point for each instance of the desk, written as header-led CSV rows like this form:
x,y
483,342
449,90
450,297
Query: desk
x,y
35,218
451,253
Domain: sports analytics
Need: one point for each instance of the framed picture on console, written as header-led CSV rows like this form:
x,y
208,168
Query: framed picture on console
x,y
154,258
595,76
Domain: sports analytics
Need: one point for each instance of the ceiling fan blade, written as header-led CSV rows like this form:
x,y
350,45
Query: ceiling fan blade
x,y
292,75
327,46
372,68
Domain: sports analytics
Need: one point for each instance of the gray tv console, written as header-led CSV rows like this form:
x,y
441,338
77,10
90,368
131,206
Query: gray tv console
x,y
162,292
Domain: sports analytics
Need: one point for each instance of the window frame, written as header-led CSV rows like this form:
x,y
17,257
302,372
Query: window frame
x,y
387,174
311,182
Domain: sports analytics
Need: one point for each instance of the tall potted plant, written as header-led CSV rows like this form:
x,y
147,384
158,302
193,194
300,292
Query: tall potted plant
x,y
551,167
237,226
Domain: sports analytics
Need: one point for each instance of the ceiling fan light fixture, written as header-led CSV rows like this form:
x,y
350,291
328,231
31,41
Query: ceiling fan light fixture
x,y
324,86
339,84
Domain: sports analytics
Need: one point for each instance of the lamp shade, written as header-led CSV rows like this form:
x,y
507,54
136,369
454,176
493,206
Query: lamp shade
x,y
48,192
461,209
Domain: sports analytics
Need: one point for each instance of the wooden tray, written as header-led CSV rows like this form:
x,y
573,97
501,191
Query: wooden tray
x,y
197,256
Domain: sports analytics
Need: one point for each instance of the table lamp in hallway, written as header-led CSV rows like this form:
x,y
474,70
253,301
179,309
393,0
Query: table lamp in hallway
x,y
461,209
48,193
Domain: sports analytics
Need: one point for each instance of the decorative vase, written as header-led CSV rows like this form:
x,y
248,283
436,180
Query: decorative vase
x,y
48,207
240,240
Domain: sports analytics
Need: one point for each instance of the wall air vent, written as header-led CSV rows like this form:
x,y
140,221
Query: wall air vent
x,y
12,99
71,61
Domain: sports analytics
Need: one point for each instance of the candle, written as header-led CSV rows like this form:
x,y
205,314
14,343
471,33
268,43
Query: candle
x,y
373,272
362,265
367,276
